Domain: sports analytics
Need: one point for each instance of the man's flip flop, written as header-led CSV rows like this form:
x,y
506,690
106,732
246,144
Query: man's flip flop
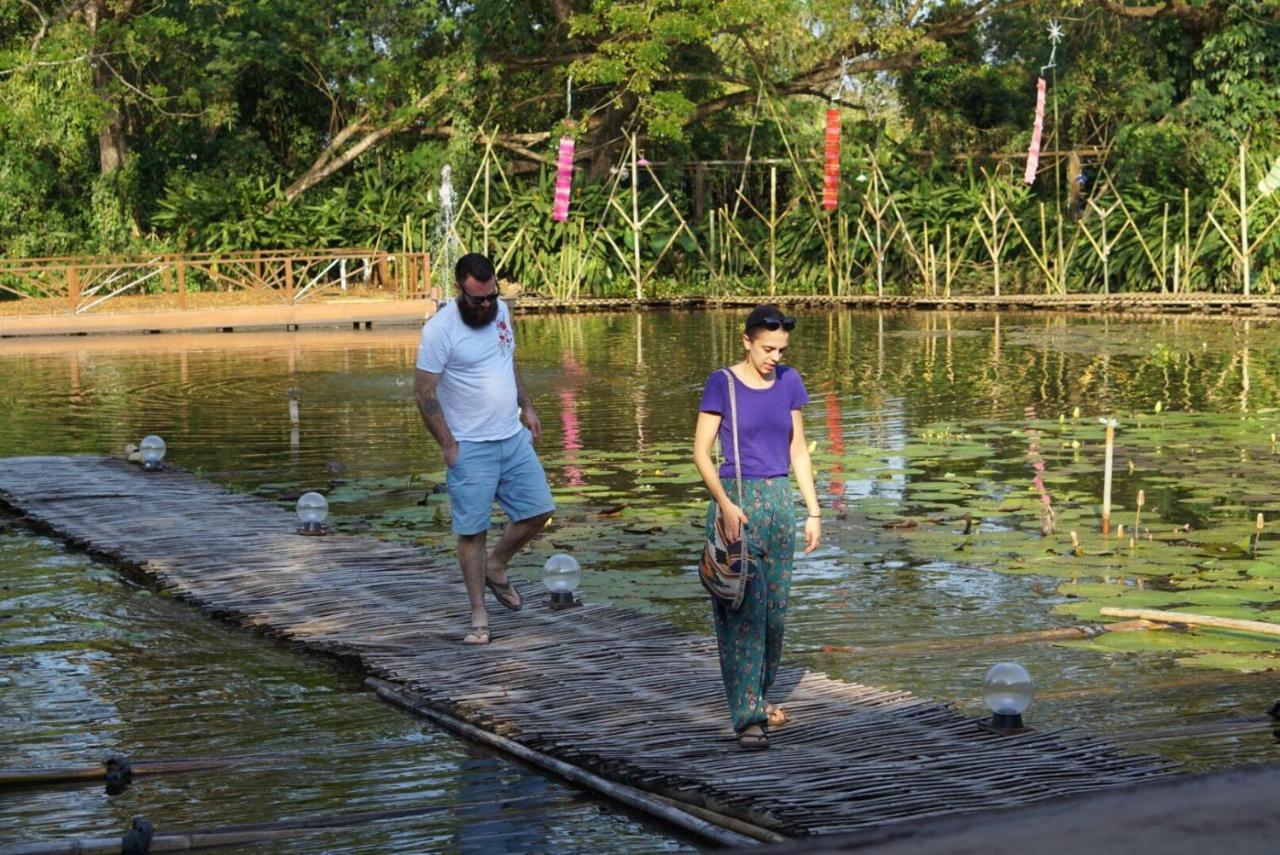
x,y
505,593
481,635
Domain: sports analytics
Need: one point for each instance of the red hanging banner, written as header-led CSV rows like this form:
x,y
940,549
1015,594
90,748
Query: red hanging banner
x,y
564,181
831,163
1033,151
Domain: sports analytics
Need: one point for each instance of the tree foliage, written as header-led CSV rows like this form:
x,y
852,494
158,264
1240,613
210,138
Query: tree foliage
x,y
250,123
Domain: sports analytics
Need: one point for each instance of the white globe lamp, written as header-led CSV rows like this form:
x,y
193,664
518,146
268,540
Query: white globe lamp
x,y
1007,690
313,509
561,575
151,450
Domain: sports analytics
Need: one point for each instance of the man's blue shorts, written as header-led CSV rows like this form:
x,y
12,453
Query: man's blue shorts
x,y
504,469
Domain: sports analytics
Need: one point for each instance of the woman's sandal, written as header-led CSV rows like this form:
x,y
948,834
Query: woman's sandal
x,y
748,741
777,715
480,634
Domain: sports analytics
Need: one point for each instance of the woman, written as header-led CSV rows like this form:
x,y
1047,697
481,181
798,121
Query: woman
x,y
771,441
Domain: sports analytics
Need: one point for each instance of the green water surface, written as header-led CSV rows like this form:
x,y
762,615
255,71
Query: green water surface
x,y
924,426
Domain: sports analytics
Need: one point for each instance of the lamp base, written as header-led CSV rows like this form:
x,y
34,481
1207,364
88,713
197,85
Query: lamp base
x,y
562,600
1005,724
313,529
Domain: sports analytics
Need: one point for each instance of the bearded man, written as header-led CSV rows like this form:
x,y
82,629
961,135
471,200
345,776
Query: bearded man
x,y
472,398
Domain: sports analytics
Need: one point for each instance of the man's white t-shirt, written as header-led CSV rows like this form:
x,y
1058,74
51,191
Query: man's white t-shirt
x,y
477,389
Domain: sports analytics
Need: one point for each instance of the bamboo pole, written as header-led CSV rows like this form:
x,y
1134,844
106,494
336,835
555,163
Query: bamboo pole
x,y
237,835
1164,251
714,253
1186,238
1201,730
995,255
773,231
629,796
635,218
1062,633
1106,475
1244,221
947,292
21,777
1159,616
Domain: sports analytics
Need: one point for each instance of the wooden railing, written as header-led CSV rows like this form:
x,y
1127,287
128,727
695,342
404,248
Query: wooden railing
x,y
291,276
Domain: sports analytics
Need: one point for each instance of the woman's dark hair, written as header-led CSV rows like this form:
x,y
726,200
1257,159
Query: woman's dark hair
x,y
767,317
475,265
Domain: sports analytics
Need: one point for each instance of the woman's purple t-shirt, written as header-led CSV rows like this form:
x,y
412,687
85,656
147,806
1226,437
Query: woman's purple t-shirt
x,y
764,421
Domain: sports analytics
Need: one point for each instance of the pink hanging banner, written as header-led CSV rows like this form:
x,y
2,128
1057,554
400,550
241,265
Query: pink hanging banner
x,y
831,163
564,180
1033,153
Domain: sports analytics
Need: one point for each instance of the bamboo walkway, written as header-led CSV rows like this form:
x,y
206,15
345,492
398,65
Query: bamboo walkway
x,y
623,695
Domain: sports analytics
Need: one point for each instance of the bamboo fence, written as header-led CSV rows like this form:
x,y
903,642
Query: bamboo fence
x,y
84,285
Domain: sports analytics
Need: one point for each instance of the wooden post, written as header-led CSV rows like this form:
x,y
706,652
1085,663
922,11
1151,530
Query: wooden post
x,y
182,284
288,279
73,287
699,190
384,270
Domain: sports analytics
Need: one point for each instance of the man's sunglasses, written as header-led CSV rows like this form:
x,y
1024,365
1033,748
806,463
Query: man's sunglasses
x,y
775,324
483,298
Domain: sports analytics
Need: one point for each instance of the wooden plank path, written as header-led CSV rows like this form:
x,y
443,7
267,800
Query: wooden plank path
x,y
624,695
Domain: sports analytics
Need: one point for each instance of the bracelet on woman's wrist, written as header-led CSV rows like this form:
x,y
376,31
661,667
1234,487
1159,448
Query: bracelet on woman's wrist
x,y
816,516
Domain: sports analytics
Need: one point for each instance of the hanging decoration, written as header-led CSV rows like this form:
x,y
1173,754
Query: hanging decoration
x,y
831,152
564,165
564,180
1033,151
831,162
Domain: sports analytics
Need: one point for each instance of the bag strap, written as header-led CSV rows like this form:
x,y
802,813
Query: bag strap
x,y
737,456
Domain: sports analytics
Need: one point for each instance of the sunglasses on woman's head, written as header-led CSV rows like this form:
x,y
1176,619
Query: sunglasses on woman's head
x,y
483,298
775,324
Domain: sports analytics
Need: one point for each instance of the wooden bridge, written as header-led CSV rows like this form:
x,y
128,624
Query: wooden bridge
x,y
619,701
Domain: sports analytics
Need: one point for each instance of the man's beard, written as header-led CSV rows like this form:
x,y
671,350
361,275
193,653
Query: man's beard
x,y
477,317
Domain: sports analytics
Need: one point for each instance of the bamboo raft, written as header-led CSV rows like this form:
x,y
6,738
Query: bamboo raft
x,y
624,696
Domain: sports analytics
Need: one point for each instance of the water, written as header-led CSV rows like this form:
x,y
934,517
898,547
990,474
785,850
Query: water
x,y
899,403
